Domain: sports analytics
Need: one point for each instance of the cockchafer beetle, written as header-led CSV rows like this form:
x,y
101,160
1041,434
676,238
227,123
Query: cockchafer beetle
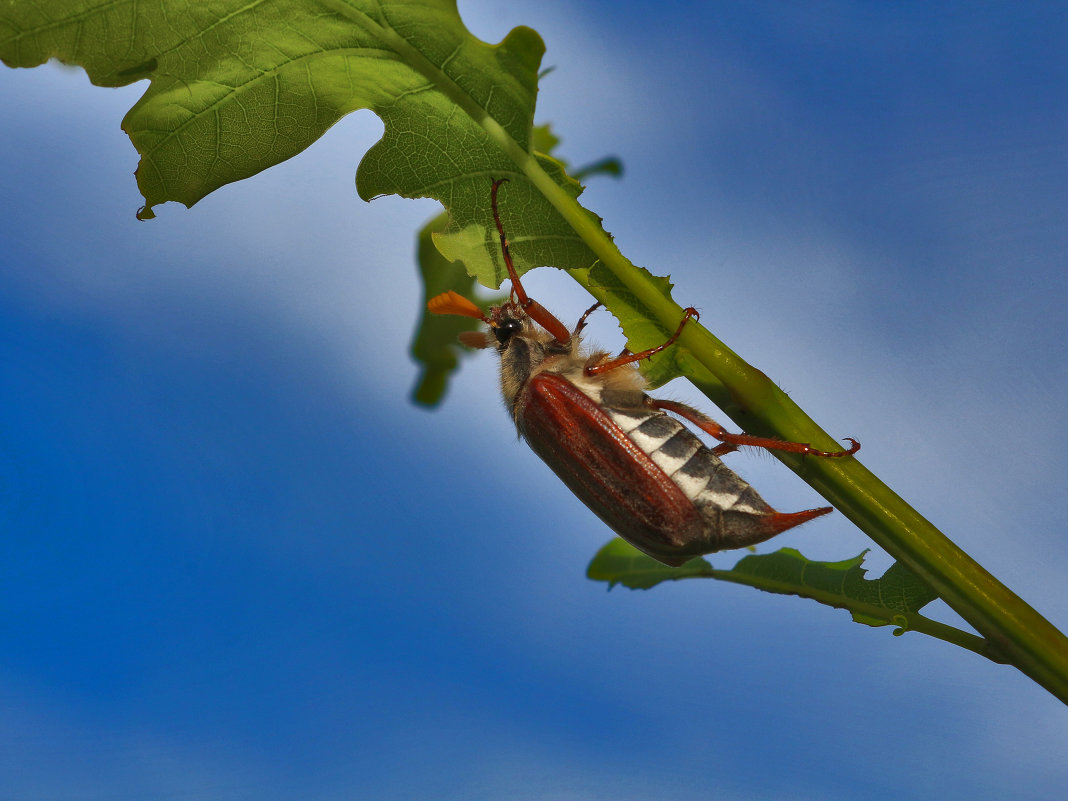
x,y
648,477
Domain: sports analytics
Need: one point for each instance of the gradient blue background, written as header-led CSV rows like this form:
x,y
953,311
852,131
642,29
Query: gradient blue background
x,y
237,563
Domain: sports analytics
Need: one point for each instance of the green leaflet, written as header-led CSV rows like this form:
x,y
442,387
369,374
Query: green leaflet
x,y
891,599
434,345
875,602
619,562
434,334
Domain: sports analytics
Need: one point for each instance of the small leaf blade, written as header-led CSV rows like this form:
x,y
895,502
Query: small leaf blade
x,y
874,602
434,346
893,599
619,562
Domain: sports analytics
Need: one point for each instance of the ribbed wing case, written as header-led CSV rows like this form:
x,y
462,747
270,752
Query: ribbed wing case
x,y
647,476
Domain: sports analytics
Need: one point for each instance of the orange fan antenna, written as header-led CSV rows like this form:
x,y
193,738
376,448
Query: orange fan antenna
x,y
454,303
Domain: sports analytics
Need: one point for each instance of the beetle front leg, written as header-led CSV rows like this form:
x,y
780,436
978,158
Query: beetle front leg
x,y
627,358
582,320
711,427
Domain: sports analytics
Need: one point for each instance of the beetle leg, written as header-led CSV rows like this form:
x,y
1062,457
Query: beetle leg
x,y
627,358
582,320
710,426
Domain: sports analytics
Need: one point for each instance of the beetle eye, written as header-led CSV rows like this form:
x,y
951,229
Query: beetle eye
x,y
506,330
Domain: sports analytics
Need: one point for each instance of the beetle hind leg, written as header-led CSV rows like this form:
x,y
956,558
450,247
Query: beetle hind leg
x,y
710,426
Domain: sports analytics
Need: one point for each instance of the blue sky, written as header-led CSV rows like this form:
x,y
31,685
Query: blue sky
x,y
238,563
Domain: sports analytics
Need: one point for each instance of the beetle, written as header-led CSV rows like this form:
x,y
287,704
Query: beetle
x,y
642,472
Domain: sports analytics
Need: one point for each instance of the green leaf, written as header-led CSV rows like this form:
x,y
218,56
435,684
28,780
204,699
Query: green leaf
x,y
892,599
236,87
610,165
619,562
875,602
537,234
545,141
895,599
434,345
